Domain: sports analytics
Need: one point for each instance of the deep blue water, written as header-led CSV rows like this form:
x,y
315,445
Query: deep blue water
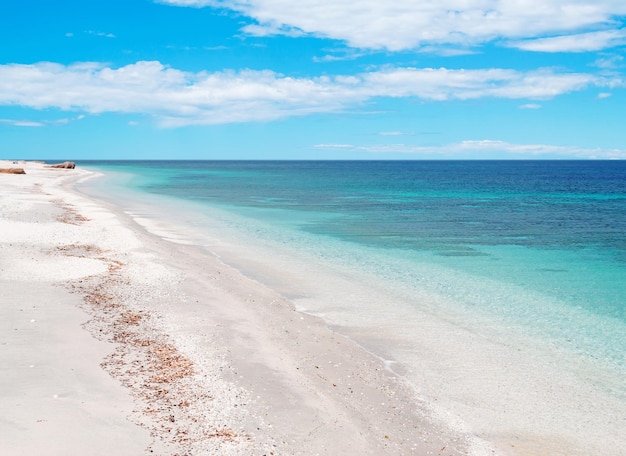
x,y
442,206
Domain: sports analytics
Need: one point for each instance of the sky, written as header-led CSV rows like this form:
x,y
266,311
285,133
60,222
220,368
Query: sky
x,y
313,79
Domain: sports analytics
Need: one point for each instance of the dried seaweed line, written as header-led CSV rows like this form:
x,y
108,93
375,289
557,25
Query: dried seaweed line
x,y
159,377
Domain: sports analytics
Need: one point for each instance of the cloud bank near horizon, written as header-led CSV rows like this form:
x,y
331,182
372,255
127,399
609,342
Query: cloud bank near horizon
x,y
470,148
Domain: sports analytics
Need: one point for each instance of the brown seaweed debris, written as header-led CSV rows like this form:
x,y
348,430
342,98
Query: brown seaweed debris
x,y
12,171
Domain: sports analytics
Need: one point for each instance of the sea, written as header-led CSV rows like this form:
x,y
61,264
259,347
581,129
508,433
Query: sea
x,y
497,289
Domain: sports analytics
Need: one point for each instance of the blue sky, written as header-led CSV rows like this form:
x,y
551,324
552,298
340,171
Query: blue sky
x,y
312,79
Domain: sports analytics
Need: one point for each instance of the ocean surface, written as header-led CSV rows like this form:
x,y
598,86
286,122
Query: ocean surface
x,y
498,288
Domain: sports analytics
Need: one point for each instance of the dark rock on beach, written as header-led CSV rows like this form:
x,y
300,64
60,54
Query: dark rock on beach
x,y
64,165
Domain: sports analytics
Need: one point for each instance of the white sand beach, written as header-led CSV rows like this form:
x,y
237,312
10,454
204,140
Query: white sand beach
x,y
116,341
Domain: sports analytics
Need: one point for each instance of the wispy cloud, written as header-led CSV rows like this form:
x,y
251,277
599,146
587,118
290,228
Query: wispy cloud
x,y
337,55
582,42
39,123
92,32
411,24
481,148
610,62
530,106
21,123
102,34
447,51
178,98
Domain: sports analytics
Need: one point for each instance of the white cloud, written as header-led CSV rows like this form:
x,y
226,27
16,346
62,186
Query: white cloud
x,y
603,95
445,84
40,123
609,62
447,51
481,148
530,106
337,55
335,146
102,34
21,123
178,98
582,42
64,121
410,24
92,32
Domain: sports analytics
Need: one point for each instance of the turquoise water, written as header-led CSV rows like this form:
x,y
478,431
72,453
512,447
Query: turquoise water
x,y
526,255
555,228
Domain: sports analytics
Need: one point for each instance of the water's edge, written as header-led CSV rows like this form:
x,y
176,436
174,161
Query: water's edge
x,y
496,373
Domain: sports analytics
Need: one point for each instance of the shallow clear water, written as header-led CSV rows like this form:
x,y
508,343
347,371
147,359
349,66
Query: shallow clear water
x,y
528,255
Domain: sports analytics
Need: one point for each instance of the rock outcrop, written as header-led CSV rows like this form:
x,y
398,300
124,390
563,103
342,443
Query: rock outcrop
x,y
12,171
64,165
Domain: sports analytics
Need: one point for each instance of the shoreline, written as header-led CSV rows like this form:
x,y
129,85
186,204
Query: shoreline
x,y
215,362
507,386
